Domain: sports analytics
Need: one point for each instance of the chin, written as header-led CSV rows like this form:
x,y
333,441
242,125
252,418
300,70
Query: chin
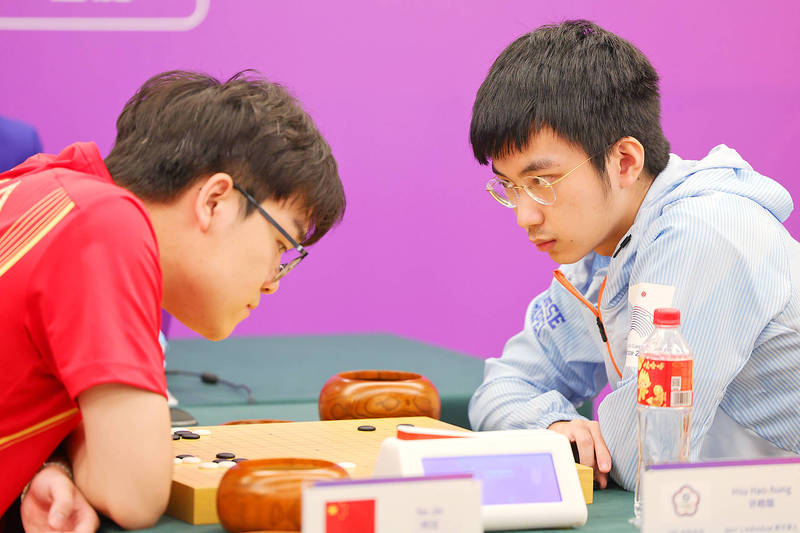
x,y
216,336
565,258
216,332
213,328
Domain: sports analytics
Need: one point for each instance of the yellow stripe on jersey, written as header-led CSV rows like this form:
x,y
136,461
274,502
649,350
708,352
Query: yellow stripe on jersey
x,y
6,192
32,226
37,428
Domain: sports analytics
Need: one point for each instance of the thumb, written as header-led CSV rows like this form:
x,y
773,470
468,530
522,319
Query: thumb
x,y
62,506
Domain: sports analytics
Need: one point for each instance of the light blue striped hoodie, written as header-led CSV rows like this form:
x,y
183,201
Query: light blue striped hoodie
x,y
709,240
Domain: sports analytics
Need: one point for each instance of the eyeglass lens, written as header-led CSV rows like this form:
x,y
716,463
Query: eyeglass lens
x,y
507,194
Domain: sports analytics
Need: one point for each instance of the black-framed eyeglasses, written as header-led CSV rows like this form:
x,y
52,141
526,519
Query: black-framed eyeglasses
x,y
290,258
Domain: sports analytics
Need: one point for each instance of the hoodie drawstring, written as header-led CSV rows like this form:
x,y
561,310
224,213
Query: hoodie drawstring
x,y
562,279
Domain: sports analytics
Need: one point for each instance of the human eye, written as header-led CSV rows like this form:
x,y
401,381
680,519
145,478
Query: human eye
x,y
537,182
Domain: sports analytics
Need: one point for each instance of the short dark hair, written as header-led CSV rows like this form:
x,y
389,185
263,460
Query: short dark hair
x,y
588,85
181,126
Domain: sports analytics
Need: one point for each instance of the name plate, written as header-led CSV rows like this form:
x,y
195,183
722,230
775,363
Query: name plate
x,y
760,495
450,504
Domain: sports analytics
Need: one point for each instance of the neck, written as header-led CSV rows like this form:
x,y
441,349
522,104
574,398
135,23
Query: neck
x,y
632,200
166,224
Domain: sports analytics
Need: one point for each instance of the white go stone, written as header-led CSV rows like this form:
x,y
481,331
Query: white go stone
x,y
202,432
191,459
177,461
209,465
226,464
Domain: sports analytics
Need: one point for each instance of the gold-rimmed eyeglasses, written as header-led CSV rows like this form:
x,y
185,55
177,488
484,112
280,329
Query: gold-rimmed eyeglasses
x,y
291,257
538,188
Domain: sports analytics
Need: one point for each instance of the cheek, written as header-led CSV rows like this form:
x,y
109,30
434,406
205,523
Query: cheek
x,y
589,211
258,263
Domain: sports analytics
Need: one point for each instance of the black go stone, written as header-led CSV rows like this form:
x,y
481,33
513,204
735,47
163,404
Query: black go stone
x,y
181,456
366,428
176,437
225,455
238,459
190,436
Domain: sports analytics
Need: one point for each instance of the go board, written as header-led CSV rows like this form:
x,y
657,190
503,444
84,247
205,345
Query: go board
x,y
194,490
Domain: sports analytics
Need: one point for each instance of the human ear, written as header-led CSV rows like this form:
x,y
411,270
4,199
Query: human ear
x,y
213,190
627,158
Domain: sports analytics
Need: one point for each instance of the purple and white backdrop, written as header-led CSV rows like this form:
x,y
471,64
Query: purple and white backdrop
x,y
423,251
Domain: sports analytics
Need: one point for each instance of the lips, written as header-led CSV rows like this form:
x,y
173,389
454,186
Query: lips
x,y
544,245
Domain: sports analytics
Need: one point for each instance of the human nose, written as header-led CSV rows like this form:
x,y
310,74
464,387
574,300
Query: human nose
x,y
270,287
529,212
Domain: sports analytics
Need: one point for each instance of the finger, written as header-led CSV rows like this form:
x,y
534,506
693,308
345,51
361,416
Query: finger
x,y
62,493
600,448
602,454
601,478
88,522
86,519
583,438
560,427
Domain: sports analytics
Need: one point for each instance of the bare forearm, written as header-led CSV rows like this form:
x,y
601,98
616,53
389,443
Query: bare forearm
x,y
123,461
119,490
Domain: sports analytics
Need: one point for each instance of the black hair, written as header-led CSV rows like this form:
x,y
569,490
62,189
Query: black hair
x,y
181,126
587,84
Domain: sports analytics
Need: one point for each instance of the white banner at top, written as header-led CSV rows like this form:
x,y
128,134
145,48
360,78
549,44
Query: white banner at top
x,y
102,15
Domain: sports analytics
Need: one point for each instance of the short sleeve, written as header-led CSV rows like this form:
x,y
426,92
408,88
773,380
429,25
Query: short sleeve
x,y
95,299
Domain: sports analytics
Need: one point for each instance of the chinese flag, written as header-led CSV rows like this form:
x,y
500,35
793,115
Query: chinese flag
x,y
354,516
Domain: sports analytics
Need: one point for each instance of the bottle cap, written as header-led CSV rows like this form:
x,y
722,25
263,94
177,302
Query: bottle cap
x,y
667,316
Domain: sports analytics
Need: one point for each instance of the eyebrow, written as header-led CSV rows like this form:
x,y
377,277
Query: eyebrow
x,y
533,166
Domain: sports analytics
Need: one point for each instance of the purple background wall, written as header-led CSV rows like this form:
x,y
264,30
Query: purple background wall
x,y
423,251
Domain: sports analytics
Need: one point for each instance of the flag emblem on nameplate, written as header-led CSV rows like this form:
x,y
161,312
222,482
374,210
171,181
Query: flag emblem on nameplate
x,y
350,516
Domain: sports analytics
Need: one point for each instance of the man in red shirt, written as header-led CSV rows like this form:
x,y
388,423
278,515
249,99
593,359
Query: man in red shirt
x,y
210,195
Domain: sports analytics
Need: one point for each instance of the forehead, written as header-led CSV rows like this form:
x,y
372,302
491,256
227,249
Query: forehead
x,y
545,150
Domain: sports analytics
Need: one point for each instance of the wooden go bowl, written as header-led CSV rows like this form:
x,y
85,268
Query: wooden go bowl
x,y
266,494
378,394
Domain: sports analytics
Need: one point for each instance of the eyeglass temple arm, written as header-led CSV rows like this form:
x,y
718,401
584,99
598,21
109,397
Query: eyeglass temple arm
x,y
299,247
550,184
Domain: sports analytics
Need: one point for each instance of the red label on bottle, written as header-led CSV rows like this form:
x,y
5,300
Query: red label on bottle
x,y
665,383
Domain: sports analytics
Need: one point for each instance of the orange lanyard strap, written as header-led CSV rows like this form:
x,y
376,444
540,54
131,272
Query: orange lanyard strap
x,y
562,279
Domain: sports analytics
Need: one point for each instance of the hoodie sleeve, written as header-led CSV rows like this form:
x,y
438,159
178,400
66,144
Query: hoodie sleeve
x,y
549,367
724,256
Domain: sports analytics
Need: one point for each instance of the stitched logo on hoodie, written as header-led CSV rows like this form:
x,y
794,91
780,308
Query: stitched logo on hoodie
x,y
545,312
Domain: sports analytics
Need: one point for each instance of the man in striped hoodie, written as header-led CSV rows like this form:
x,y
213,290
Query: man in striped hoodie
x,y
569,119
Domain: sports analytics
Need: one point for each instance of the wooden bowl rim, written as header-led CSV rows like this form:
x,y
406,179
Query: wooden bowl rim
x,y
353,375
274,464
246,421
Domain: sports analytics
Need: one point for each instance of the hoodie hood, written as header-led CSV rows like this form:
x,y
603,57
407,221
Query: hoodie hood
x,y
721,172
733,175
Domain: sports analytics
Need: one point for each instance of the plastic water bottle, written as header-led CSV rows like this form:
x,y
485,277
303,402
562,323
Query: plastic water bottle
x,y
663,398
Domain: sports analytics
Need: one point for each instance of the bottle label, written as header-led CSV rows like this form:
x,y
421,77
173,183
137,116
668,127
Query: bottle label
x,y
665,383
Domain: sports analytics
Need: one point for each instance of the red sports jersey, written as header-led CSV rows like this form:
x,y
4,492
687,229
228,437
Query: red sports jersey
x,y
80,301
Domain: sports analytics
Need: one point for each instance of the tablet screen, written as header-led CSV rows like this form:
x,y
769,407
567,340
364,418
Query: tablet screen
x,y
506,479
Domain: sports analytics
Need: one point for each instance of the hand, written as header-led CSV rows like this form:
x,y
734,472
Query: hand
x,y
591,446
54,503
